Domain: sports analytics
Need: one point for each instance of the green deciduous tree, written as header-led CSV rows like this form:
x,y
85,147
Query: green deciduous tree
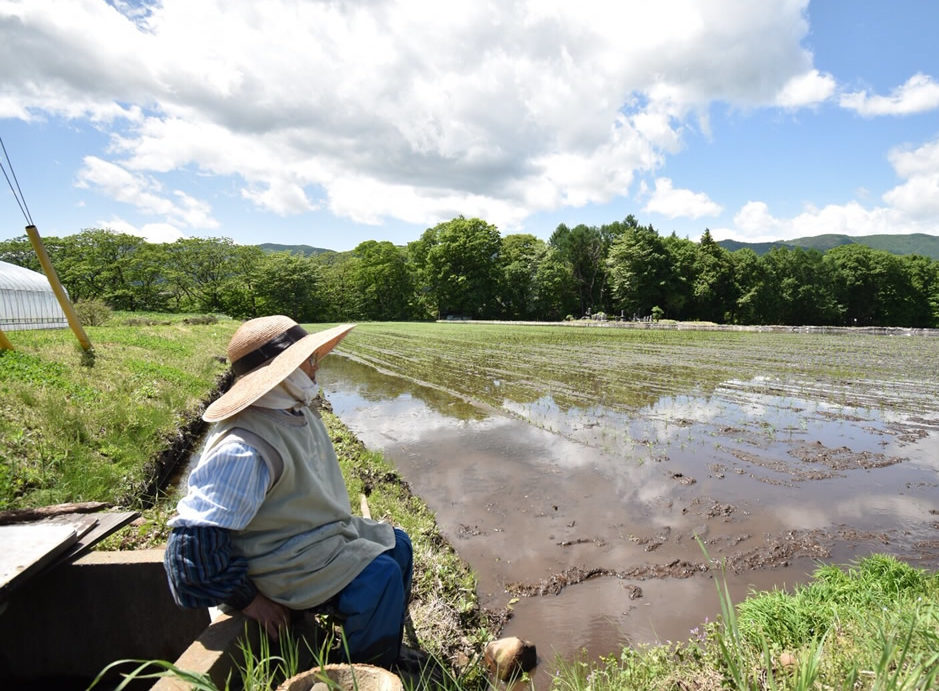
x,y
750,287
146,278
94,265
585,248
713,285
520,258
639,269
198,272
871,286
924,282
19,251
290,284
457,265
797,288
678,293
382,284
554,295
339,293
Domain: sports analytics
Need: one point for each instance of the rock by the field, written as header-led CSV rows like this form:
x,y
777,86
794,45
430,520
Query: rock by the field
x,y
509,658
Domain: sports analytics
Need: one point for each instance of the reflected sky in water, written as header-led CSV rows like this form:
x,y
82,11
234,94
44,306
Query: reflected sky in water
x,y
533,489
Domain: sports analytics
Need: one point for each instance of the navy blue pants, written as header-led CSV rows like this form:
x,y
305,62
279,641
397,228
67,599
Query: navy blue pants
x,y
373,605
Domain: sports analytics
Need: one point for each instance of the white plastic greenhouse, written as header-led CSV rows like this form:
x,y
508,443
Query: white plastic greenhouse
x,y
27,300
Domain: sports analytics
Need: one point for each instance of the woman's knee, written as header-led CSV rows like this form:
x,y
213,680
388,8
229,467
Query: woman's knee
x,y
403,554
378,586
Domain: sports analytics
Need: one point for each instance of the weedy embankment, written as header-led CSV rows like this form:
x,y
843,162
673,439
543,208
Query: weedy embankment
x,y
76,427
109,427
874,625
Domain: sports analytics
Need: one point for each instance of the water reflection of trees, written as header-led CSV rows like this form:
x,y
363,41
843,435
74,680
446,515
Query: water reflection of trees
x,y
372,385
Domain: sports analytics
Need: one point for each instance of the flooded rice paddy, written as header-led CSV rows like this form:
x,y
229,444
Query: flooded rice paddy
x,y
575,470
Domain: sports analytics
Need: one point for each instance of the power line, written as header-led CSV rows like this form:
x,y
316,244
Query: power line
x,y
17,192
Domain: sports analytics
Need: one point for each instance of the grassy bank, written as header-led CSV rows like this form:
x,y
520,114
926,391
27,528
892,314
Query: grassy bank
x,y
874,625
80,428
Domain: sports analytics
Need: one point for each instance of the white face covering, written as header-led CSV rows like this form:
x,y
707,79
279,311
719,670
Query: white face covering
x,y
296,391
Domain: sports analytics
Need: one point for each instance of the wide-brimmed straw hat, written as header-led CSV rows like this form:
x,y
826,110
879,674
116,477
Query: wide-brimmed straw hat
x,y
263,352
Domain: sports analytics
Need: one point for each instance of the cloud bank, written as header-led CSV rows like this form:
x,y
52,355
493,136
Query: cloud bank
x,y
413,110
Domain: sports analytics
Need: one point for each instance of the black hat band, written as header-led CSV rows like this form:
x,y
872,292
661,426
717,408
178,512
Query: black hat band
x,y
268,351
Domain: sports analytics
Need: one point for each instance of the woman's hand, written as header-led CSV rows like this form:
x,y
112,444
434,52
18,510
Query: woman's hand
x,y
271,615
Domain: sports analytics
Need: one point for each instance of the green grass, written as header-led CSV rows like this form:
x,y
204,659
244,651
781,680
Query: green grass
x,y
80,428
878,629
880,617
260,669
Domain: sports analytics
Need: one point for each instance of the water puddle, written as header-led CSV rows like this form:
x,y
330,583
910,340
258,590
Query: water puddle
x,y
584,521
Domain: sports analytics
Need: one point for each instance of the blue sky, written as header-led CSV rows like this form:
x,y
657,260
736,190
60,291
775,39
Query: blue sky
x,y
329,124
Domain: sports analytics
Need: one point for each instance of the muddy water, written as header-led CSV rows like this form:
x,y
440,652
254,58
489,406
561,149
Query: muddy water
x,y
584,521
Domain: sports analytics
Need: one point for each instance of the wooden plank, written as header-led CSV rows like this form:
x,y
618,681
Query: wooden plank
x,y
27,549
40,512
33,541
81,523
106,524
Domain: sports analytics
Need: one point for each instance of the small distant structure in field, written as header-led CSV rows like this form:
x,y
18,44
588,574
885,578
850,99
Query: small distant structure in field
x,y
27,301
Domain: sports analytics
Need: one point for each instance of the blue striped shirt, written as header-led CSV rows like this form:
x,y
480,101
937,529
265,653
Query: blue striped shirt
x,y
225,490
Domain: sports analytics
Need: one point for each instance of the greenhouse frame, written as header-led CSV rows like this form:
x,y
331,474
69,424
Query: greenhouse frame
x,y
27,301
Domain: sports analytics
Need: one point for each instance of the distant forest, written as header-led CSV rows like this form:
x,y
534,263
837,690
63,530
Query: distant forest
x,y
464,268
913,243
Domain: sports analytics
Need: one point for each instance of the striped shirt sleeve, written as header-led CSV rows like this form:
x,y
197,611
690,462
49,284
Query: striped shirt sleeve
x,y
225,491
226,488
203,572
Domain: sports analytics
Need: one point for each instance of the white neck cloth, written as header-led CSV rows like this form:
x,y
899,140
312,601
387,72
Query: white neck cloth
x,y
294,392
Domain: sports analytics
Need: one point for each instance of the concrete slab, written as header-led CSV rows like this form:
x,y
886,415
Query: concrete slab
x,y
216,652
74,619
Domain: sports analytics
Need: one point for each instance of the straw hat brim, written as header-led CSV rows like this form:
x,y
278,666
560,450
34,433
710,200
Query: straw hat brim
x,y
250,386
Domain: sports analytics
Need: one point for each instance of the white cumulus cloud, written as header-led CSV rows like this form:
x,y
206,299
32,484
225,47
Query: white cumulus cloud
x,y
919,94
806,89
755,223
918,197
144,193
404,109
679,203
151,232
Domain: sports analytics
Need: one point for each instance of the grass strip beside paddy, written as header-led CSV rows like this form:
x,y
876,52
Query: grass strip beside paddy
x,y
76,427
874,625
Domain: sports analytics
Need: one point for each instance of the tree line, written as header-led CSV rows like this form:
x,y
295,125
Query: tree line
x,y
465,268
